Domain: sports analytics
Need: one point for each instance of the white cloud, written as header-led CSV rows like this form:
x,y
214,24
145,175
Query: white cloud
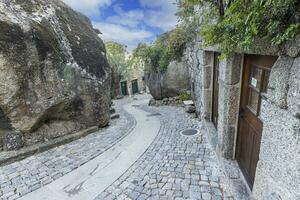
x,y
160,14
154,13
88,7
130,27
121,34
160,19
131,18
157,3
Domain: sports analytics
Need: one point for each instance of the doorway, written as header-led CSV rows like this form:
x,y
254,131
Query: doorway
x,y
135,87
254,87
124,88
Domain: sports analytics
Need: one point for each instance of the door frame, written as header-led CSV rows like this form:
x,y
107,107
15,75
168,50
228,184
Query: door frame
x,y
242,65
214,57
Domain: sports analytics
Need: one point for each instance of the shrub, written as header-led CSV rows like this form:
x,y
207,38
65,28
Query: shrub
x,y
184,96
168,47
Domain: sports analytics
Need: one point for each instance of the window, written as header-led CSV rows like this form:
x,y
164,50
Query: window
x,y
258,83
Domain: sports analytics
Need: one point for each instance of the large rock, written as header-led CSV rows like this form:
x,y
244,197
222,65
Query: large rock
x,y
154,83
170,83
54,75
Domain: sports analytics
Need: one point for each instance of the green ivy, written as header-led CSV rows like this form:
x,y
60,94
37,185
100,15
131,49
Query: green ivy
x,y
243,23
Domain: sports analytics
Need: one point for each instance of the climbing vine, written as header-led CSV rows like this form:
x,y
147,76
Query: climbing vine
x,y
240,24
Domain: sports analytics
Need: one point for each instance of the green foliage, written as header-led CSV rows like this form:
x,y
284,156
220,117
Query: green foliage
x,y
150,55
168,47
244,23
177,41
116,54
184,96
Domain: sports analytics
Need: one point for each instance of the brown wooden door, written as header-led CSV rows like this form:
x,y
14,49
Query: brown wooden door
x,y
254,86
215,90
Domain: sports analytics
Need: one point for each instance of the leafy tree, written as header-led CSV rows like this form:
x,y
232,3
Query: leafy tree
x,y
150,54
167,47
116,54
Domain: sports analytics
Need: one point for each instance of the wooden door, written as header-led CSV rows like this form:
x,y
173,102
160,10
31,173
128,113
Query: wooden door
x,y
215,102
254,87
135,87
124,88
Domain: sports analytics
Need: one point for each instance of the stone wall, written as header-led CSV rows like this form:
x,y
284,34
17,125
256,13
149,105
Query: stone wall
x,y
135,72
171,101
278,167
278,170
200,64
229,95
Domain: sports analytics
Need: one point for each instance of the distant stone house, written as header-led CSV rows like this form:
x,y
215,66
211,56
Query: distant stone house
x,y
249,104
133,82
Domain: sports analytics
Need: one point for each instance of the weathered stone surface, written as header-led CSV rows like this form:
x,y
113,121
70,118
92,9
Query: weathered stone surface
x,y
226,135
154,82
176,79
172,101
170,83
278,84
190,109
12,140
53,70
207,77
230,69
229,103
279,156
293,96
292,47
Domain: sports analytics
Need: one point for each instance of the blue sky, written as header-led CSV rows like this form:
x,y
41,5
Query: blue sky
x,y
128,21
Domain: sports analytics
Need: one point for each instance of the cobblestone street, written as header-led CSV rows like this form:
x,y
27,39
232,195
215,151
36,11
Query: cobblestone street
x,y
22,177
173,166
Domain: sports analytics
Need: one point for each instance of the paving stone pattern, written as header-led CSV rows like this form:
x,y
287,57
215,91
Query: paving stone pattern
x,y
173,167
30,174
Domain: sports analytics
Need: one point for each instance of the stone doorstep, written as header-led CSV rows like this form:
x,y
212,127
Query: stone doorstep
x,y
9,157
232,172
188,102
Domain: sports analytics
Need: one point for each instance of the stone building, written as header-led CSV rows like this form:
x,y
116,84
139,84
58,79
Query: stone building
x,y
133,82
250,106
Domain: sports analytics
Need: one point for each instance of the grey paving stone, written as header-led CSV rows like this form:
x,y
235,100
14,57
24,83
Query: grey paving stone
x,y
174,166
22,177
